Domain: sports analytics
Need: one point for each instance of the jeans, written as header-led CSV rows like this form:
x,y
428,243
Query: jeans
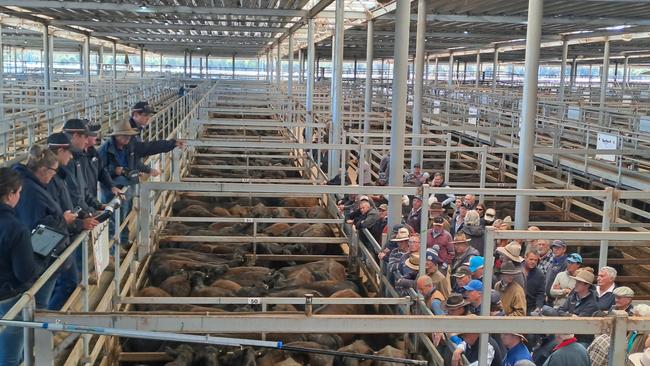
x,y
11,339
44,295
67,279
125,208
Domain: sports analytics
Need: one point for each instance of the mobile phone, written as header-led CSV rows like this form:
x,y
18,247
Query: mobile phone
x,y
76,210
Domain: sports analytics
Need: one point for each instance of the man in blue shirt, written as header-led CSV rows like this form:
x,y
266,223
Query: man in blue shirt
x,y
517,350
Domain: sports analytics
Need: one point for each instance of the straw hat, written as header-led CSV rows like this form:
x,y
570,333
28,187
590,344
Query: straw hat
x,y
586,276
512,251
413,262
402,235
124,129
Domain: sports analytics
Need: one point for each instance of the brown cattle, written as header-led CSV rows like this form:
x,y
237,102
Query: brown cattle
x,y
183,355
318,212
389,351
300,201
195,211
220,212
311,359
177,286
358,347
240,211
318,230
279,229
199,289
226,285
342,309
298,229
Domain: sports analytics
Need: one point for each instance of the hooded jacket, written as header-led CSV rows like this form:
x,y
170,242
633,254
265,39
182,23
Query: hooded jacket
x,y
75,179
95,171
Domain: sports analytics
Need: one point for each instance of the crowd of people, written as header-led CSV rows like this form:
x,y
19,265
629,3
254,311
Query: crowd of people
x,y
63,186
531,278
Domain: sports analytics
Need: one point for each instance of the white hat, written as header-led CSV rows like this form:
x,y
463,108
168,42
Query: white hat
x,y
641,358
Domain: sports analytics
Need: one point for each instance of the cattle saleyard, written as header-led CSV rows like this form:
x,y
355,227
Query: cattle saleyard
x,y
272,253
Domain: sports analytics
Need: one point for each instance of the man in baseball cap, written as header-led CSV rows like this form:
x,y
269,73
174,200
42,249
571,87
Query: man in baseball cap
x,y
140,116
474,293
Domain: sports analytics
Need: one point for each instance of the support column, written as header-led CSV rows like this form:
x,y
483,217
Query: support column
x,y
189,61
185,63
478,69
574,72
367,107
626,72
161,61
268,67
207,69
2,72
426,67
310,80
86,60
200,67
528,112
114,60
290,67
278,67
141,61
495,70
398,118
233,66
450,74
301,67
100,60
337,90
418,80
604,78
47,63
565,54
435,73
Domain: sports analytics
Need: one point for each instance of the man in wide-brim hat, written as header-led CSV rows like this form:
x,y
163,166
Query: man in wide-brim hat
x,y
122,156
517,350
513,296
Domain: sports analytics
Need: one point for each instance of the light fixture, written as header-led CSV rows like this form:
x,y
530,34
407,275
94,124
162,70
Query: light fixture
x,y
143,6
465,32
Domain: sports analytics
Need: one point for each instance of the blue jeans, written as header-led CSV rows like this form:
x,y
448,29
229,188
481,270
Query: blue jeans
x,y
125,208
43,296
11,339
67,279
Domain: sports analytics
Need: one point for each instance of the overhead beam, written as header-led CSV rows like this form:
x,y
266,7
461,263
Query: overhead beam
x,y
153,9
182,36
161,26
458,18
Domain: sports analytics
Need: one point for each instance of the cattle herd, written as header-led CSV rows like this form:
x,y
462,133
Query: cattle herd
x,y
218,268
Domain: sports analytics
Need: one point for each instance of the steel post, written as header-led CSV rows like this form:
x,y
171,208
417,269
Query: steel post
x,y
233,65
424,221
301,67
114,60
604,79
398,117
337,88
495,70
290,67
626,73
47,62
141,61
528,112
574,72
368,92
418,80
185,63
435,73
487,284
565,54
278,67
310,80
189,62
450,73
609,207
478,68
86,61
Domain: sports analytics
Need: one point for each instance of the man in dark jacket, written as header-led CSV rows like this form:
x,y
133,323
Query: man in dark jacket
x,y
535,283
140,116
94,169
122,158
558,263
377,229
414,217
74,170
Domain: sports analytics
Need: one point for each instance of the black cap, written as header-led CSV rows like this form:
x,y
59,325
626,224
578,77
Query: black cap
x,y
143,107
75,125
92,127
58,140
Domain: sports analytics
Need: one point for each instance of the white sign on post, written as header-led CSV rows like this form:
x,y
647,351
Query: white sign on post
x,y
100,247
436,107
606,142
473,116
573,113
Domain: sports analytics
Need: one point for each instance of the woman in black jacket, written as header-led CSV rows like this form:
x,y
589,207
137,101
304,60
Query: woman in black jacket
x,y
37,206
17,265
